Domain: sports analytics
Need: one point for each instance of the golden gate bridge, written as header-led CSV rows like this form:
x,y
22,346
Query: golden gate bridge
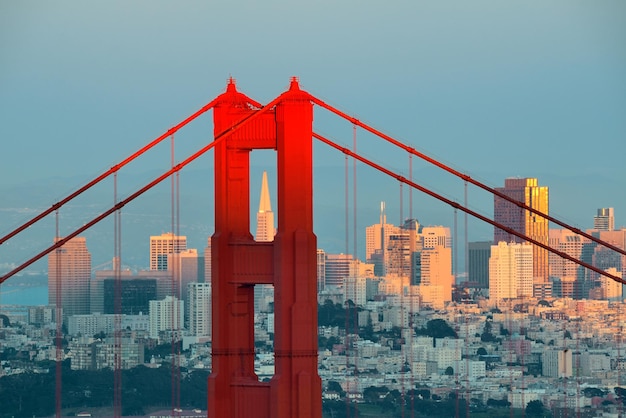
x,y
284,125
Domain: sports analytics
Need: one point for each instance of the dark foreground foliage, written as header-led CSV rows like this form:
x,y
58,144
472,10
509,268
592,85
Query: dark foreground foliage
x,y
33,394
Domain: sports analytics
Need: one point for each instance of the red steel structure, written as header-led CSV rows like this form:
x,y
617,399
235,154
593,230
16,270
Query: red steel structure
x,y
285,125
240,263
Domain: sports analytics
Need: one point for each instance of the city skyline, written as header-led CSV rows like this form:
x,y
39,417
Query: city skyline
x,y
472,85
496,90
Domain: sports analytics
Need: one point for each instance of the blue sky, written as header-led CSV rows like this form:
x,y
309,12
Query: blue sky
x,y
493,88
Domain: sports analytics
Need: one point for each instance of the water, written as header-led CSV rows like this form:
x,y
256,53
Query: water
x,y
25,291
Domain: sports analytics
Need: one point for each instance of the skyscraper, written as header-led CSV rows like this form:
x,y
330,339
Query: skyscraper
x,y
377,241
527,191
478,274
604,220
161,246
265,229
71,265
510,271
184,269
265,232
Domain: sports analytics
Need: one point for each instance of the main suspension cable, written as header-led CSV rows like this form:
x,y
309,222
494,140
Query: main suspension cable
x,y
467,210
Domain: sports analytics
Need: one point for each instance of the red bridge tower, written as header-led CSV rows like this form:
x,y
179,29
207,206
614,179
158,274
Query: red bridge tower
x,y
240,263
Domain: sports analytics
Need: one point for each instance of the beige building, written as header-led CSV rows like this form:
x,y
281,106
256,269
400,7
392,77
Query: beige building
x,y
161,246
510,271
69,271
527,191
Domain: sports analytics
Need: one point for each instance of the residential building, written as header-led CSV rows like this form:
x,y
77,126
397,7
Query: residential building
x,y
510,271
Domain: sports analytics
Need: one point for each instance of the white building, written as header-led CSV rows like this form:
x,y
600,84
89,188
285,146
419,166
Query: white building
x,y
510,271
166,315
199,309
163,245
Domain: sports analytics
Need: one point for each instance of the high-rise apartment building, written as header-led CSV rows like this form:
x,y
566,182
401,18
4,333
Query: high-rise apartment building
x,y
604,220
70,265
510,271
166,315
436,270
199,309
527,191
161,246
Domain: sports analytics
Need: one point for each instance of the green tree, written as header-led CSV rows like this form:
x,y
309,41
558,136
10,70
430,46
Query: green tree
x,y
449,371
535,409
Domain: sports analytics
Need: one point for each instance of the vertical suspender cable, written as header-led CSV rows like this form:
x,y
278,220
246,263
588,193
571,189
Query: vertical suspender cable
x,y
174,270
354,197
411,313
347,338
117,353
456,316
465,243
59,321
355,318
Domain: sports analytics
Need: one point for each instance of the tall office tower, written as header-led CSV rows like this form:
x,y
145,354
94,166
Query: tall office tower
x,y
403,247
338,268
321,269
604,220
436,236
265,229
166,315
510,271
184,269
605,258
527,191
199,309
136,294
566,274
265,232
377,241
163,245
71,265
436,271
478,254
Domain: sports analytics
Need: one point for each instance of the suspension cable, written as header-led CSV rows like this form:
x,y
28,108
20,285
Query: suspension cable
x,y
465,177
218,138
110,171
467,210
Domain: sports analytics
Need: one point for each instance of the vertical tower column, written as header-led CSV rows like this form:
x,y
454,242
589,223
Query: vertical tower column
x,y
289,263
296,386
232,303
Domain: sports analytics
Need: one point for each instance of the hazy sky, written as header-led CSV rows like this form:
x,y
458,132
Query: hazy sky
x,y
494,88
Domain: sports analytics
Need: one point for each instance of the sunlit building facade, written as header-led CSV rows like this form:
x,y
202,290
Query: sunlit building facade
x,y
69,266
510,271
527,191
